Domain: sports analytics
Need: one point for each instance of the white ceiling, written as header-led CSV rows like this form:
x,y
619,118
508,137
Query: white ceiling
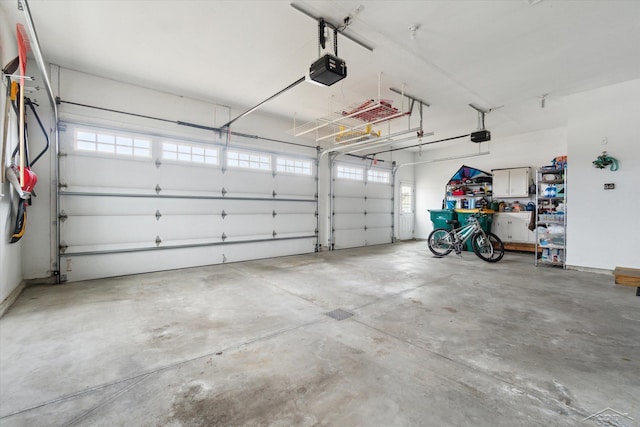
x,y
490,53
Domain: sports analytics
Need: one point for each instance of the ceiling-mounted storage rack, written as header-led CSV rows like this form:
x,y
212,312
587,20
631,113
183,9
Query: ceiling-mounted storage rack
x,y
351,124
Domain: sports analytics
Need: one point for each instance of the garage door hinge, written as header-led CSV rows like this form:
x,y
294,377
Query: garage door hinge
x,y
223,237
223,192
158,240
62,127
273,174
274,194
62,185
315,214
365,197
223,214
158,162
158,189
62,154
315,196
365,228
63,247
274,213
63,216
365,213
274,234
158,215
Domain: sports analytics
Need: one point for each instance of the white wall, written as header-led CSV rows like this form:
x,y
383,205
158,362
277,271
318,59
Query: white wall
x,y
10,254
603,230
531,149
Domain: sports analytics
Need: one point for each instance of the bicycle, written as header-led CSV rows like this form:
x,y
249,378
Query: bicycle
x,y
486,245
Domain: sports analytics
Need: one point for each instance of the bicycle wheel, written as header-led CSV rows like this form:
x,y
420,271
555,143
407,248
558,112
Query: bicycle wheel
x,y
440,242
487,247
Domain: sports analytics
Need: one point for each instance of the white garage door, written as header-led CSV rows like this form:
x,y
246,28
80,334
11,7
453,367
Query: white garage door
x,y
133,203
362,205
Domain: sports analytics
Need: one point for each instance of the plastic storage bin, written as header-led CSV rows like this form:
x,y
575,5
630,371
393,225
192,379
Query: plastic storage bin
x,y
439,218
485,222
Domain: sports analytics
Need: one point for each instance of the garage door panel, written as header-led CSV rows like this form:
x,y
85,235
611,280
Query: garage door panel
x,y
288,186
288,208
378,220
177,178
348,221
239,183
86,230
349,205
114,205
98,172
248,224
379,205
378,236
379,190
350,239
87,267
294,223
348,188
176,227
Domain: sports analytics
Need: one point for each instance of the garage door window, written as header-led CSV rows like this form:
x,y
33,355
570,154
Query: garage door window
x,y
296,166
112,143
347,172
248,160
189,153
378,176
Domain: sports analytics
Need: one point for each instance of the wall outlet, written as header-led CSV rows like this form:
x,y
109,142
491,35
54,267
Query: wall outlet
x,y
609,186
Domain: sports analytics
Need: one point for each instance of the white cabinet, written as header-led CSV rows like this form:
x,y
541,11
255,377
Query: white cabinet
x,y
513,227
511,182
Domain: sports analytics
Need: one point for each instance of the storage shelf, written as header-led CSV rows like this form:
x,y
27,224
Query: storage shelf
x,y
551,246
544,261
546,207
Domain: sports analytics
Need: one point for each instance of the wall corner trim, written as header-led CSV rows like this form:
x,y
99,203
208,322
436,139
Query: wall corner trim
x,y
11,298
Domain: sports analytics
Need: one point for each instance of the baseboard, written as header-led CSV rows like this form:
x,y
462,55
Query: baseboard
x,y
589,269
13,296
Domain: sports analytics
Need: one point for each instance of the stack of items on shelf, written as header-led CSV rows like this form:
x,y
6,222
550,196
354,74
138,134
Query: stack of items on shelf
x,y
551,223
468,188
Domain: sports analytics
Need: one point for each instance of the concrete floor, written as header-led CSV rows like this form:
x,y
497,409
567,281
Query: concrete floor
x,y
432,342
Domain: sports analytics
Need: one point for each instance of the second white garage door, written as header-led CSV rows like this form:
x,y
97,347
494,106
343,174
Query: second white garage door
x,y
362,205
